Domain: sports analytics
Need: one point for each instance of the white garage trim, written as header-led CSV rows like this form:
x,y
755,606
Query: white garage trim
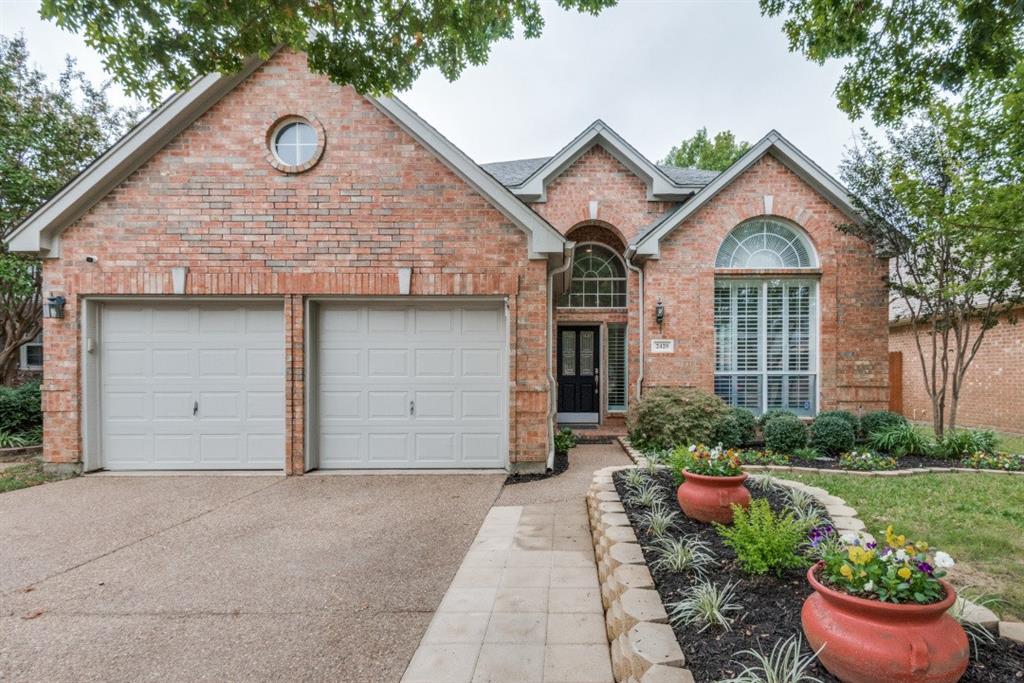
x,y
357,429
91,345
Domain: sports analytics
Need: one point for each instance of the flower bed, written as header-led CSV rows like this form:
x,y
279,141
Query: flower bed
x,y
764,609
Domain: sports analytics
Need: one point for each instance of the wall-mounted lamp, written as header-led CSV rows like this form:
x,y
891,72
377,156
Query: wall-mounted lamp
x,y
178,274
659,312
54,307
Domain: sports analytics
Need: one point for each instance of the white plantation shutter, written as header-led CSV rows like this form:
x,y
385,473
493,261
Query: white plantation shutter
x,y
616,367
765,344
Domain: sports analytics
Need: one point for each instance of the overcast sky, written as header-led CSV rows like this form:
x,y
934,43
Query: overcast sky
x,y
654,70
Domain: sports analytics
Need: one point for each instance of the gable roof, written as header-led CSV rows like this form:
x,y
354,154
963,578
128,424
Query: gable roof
x,y
512,173
647,242
529,178
40,231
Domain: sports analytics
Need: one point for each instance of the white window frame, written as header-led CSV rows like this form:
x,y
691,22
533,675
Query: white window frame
x,y
617,410
23,353
814,324
625,279
280,128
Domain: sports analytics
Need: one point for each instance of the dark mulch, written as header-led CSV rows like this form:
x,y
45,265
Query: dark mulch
x,y
561,465
770,607
907,462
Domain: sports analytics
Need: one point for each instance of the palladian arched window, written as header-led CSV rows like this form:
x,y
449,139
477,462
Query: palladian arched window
x,y
766,326
765,243
598,279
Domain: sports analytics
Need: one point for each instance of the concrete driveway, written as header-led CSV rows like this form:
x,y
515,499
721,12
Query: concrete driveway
x,y
229,577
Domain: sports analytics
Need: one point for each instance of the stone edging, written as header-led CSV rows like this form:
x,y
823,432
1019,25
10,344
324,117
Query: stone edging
x,y
644,648
845,520
637,457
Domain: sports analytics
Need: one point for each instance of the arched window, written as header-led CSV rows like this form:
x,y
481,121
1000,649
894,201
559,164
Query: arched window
x,y
766,328
598,279
765,243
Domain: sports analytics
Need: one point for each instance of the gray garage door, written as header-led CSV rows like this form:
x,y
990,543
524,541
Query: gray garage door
x,y
412,386
188,386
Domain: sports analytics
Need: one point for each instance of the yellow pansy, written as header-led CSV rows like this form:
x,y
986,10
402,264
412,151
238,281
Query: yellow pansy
x,y
859,555
846,571
922,546
910,550
904,573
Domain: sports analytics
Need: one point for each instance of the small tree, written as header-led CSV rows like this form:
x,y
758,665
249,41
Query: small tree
x,y
47,135
712,154
945,200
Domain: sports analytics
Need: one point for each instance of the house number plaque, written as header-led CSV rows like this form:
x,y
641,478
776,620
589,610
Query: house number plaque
x,y
663,345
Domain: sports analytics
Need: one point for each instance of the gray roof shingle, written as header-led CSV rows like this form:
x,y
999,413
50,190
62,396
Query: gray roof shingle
x,y
512,173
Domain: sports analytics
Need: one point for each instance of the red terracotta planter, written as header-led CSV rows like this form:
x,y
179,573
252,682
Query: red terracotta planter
x,y
710,499
868,641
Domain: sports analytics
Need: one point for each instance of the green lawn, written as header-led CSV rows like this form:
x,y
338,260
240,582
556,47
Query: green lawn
x,y
23,476
976,518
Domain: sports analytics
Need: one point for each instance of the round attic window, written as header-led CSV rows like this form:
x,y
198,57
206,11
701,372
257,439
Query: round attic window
x,y
295,144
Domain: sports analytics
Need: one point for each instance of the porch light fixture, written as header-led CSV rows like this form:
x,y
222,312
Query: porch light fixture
x,y
54,307
178,274
659,312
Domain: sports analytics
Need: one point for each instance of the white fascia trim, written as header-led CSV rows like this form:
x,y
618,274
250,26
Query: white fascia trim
x,y
659,186
544,239
648,244
40,232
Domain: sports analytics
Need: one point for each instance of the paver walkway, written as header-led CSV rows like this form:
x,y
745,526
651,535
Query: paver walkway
x,y
524,606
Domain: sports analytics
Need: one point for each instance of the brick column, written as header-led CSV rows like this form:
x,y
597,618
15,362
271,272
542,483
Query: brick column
x,y
294,383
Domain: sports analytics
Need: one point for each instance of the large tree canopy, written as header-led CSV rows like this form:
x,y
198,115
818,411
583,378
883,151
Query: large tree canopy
x,y
701,151
377,46
945,199
903,55
48,133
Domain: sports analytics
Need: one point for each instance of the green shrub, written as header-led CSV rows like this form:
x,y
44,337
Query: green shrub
x,y
963,442
736,428
844,415
806,454
564,440
764,542
785,434
902,439
21,408
668,417
832,435
767,416
866,461
878,420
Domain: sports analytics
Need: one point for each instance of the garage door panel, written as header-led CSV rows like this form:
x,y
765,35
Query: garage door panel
x,y
166,359
482,363
386,447
387,362
376,359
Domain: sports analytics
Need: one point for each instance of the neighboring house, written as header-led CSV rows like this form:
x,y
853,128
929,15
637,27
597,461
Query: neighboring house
x,y
272,271
993,391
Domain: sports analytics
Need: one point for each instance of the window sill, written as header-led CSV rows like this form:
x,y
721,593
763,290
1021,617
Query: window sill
x,y
763,272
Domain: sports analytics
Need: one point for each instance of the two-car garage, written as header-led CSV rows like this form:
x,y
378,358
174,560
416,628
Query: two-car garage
x,y
190,385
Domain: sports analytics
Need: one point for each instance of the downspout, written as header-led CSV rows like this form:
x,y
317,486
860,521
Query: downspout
x,y
630,253
567,254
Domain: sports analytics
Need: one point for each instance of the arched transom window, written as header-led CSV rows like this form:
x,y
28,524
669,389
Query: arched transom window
x,y
598,279
766,326
765,243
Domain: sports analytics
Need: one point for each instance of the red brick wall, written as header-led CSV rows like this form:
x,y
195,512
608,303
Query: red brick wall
x,y
598,176
853,302
376,201
993,392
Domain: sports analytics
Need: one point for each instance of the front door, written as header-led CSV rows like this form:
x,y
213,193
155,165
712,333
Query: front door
x,y
579,374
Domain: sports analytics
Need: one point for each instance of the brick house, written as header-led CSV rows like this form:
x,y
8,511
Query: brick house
x,y
993,392
273,271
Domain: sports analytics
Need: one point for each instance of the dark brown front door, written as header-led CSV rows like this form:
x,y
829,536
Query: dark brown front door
x,y
578,373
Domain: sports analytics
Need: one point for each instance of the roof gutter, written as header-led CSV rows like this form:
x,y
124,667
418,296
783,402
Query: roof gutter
x,y
630,253
567,254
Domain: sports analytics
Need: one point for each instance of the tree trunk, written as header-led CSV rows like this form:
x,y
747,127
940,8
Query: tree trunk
x,y
9,365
